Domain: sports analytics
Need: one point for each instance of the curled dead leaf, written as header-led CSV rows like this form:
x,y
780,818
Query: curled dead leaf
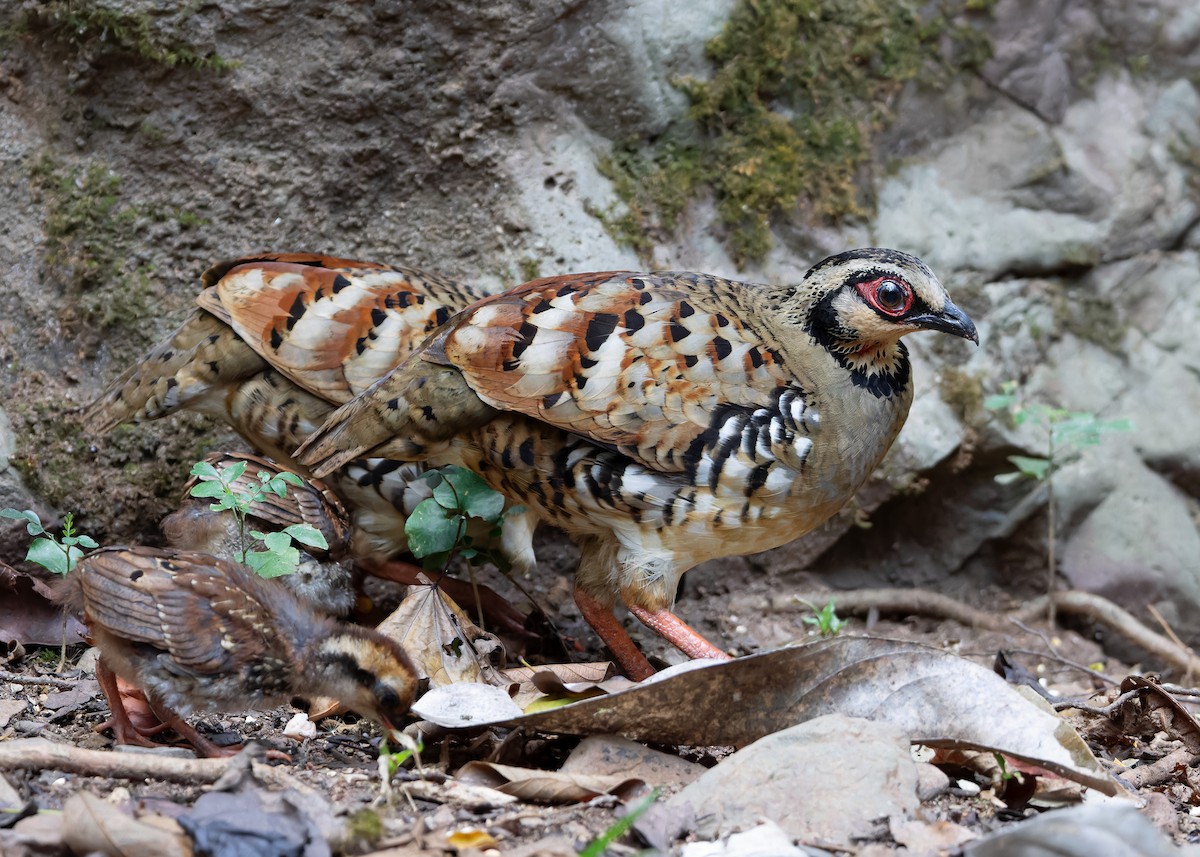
x,y
551,787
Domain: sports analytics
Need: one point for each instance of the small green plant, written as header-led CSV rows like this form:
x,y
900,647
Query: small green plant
x,y
278,555
390,762
825,619
1005,773
438,531
53,553
1066,434
599,845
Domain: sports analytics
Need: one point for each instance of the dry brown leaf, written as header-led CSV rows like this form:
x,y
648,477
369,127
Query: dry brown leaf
x,y
936,698
441,639
527,682
590,673
95,827
551,787
27,614
612,755
1170,714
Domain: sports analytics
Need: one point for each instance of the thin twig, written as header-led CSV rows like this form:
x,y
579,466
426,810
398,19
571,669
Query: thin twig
x,y
1170,632
919,601
1102,610
1083,668
40,754
1154,773
1073,602
1041,635
1105,711
50,681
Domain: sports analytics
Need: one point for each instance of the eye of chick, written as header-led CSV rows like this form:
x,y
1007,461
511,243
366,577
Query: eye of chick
x,y
386,696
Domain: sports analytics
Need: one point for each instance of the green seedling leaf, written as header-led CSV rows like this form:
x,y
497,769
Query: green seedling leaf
x,y
1036,468
274,563
432,529
209,489
204,470
999,402
599,846
463,491
233,472
276,542
306,535
52,556
290,478
33,524
1008,478
87,542
826,619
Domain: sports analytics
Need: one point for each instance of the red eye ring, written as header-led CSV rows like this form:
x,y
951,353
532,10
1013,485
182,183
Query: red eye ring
x,y
891,296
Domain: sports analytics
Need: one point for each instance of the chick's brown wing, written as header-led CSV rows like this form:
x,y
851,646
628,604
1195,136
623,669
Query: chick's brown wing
x,y
194,607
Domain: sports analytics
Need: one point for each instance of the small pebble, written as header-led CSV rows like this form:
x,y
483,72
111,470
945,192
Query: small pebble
x,y
967,787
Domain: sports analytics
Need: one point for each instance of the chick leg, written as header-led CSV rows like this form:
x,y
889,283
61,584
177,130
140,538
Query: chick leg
x,y
604,623
204,747
124,732
678,633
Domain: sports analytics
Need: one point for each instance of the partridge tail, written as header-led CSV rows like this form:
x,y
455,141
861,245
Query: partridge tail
x,y
401,417
189,364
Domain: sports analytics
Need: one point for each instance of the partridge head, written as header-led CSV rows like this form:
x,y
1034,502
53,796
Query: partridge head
x,y
197,633
661,419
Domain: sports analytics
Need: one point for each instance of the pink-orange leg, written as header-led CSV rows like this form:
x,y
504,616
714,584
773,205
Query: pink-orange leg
x,y
678,633
124,732
614,635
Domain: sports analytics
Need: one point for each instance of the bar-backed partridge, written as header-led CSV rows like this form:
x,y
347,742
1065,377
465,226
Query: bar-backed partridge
x,y
197,633
277,342
661,419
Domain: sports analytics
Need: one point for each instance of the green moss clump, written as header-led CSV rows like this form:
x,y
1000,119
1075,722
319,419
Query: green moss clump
x,y
962,391
95,29
365,826
786,121
120,485
88,237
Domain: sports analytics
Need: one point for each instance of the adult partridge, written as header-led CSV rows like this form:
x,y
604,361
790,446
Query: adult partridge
x,y
661,419
278,341
197,633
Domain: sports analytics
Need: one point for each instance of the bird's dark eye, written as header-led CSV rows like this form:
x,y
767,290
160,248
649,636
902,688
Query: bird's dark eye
x,y
387,698
890,295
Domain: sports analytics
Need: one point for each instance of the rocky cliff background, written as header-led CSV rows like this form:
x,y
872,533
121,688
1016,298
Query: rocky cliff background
x,y
1044,158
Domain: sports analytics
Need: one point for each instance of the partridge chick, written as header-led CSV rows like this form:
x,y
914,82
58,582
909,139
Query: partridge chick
x,y
324,579
661,419
197,633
